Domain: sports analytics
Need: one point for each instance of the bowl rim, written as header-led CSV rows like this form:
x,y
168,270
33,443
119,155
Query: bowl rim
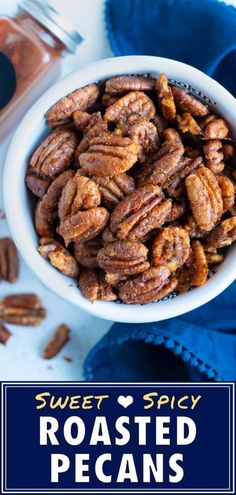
x,y
18,221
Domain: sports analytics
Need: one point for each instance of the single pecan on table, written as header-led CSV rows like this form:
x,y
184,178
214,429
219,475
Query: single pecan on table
x,y
57,341
4,333
22,309
9,261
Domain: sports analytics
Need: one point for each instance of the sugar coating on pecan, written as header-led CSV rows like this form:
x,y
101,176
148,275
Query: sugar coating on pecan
x,y
216,129
84,225
228,151
188,103
94,286
79,193
205,198
165,98
122,84
146,135
55,153
192,228
171,246
223,234
187,123
123,257
227,192
9,260
86,253
84,121
194,273
147,287
59,257
80,99
213,152
97,130
114,189
130,109
175,185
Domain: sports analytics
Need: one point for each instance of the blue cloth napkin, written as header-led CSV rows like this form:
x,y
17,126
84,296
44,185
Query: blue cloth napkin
x,y
200,345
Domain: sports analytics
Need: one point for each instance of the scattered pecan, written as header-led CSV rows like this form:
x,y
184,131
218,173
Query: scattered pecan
x,y
223,234
122,84
4,333
55,153
152,285
146,135
114,190
215,129
188,103
205,198
94,286
9,261
123,257
214,155
165,98
59,257
171,247
227,192
36,184
109,155
130,109
187,123
84,225
194,273
80,193
22,309
86,253
80,99
57,341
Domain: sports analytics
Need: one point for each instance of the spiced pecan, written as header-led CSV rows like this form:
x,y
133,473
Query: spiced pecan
x,y
224,234
108,100
36,184
165,98
9,261
109,155
55,153
188,103
59,257
86,253
80,99
84,225
84,121
114,279
22,309
123,257
152,285
192,228
175,185
4,333
213,258
215,128
205,198
227,192
160,123
187,123
194,273
80,193
171,247
130,109
214,155
146,135
139,213
114,190
228,151
122,84
177,211
108,236
97,130
94,286
57,341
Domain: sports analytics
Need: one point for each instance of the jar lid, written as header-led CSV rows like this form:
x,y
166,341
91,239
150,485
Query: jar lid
x,y
54,21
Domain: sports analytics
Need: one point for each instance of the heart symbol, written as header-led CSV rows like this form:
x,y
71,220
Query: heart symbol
x,y
125,401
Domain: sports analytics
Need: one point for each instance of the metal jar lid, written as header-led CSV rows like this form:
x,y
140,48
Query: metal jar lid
x,y
54,21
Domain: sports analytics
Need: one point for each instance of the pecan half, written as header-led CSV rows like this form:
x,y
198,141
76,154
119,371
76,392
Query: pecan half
x,y
227,192
213,258
146,135
194,273
36,184
188,103
108,236
171,246
122,84
130,109
80,193
215,128
109,155
57,341
9,261
165,98
123,257
98,130
59,257
94,286
86,253
214,155
223,234
139,213
55,153
177,211
205,198
175,185
84,121
115,189
22,309
192,228
4,333
187,123
152,285
80,99
84,225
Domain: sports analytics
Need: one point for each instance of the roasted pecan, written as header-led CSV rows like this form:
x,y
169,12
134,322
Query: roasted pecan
x,y
195,271
123,84
171,247
36,184
84,225
57,341
98,130
177,211
187,123
146,135
80,99
84,121
175,185
114,279
160,123
223,234
115,189
93,286
9,261
4,333
214,155
152,285
188,103
108,236
59,257
205,198
165,98
215,128
86,253
130,109
47,209
22,309
139,213
228,151
227,192
213,258
192,228
80,193
55,153
123,257
109,155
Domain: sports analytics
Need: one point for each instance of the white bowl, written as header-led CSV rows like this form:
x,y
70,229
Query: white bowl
x,y
17,202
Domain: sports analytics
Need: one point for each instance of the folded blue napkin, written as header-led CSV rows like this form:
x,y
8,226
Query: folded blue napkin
x,y
200,345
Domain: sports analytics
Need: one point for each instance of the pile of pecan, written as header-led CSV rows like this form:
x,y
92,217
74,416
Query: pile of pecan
x,y
135,189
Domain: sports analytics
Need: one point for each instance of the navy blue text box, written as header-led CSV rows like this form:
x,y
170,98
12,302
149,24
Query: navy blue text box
x,y
207,462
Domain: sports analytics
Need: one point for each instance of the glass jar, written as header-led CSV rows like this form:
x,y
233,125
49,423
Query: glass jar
x,y
31,45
